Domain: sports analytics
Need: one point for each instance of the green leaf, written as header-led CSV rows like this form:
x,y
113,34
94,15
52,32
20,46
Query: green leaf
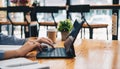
x,y
65,25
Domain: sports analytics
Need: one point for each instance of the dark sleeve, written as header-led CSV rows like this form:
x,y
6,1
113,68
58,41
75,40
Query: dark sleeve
x,y
1,54
11,40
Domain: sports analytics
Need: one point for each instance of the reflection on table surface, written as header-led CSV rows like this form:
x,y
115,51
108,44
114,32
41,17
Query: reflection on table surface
x,y
90,54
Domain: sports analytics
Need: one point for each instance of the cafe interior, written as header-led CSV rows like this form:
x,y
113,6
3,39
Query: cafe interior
x,y
96,45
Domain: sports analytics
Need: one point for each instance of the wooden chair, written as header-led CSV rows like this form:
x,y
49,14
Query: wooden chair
x,y
18,9
51,10
94,26
48,23
4,23
3,16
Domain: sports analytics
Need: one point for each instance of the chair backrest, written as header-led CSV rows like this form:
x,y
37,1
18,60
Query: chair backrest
x,y
79,8
47,9
18,9
24,9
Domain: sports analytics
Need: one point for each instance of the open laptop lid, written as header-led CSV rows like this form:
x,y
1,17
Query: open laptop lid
x,y
71,38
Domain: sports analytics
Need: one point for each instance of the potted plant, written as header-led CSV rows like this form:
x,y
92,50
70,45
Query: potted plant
x,y
65,27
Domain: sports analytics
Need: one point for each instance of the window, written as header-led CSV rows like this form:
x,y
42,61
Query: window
x,y
55,2
61,15
91,2
95,12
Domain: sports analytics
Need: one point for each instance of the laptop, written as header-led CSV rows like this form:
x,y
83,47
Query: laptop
x,y
68,50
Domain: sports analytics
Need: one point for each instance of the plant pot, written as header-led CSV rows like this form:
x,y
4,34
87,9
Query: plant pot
x,y
64,35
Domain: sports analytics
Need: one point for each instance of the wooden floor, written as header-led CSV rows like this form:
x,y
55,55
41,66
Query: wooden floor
x,y
90,54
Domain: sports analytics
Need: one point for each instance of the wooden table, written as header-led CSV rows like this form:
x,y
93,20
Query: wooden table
x,y
90,54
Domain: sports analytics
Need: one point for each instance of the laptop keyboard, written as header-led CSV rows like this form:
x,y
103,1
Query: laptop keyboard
x,y
57,52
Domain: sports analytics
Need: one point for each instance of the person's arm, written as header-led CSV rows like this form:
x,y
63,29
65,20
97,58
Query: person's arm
x,y
1,54
28,45
21,52
10,40
10,54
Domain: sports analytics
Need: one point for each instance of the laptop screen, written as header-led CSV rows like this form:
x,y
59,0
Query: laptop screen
x,y
68,44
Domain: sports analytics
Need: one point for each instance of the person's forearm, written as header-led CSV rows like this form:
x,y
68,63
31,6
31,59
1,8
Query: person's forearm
x,y
11,54
21,52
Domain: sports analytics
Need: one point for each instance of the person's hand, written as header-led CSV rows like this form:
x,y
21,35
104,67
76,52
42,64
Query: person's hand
x,y
32,44
27,47
45,40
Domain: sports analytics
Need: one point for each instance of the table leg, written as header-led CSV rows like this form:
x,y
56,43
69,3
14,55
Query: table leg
x,y
91,33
